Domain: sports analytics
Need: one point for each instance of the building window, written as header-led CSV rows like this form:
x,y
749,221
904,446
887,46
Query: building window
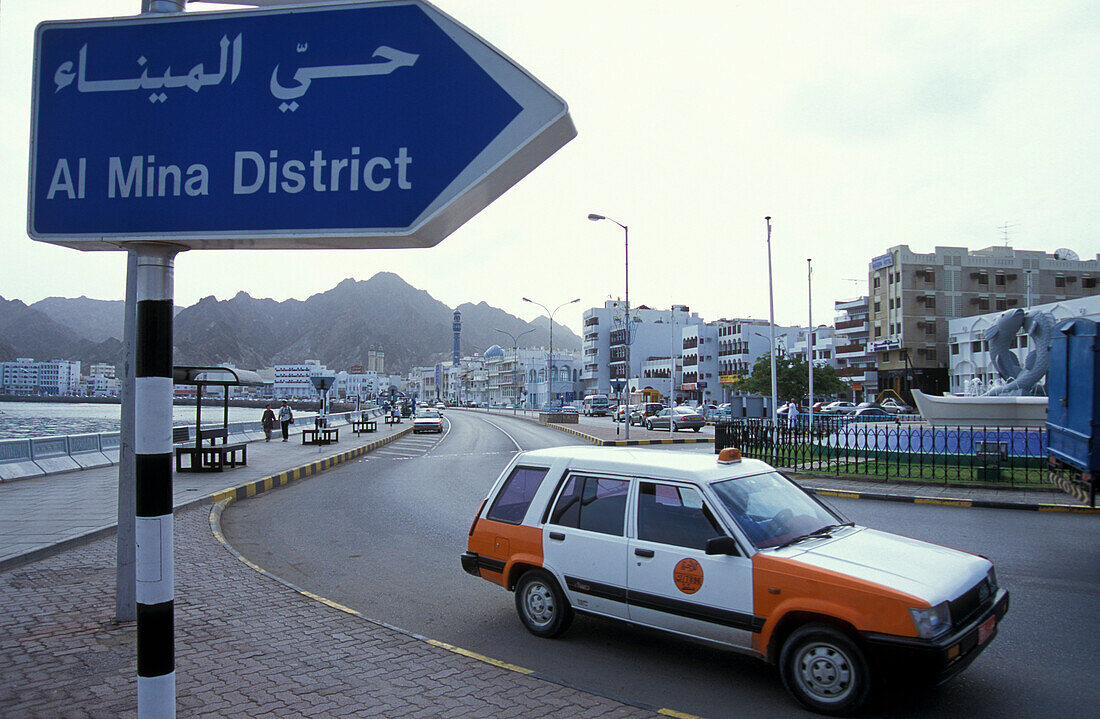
x,y
1000,280
876,283
1088,283
930,353
955,349
983,279
930,302
930,328
878,307
1059,281
878,332
976,346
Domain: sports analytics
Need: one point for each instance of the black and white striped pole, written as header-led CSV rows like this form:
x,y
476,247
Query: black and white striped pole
x,y
156,683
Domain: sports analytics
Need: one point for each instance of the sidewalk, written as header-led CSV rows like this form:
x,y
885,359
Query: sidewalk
x,y
43,515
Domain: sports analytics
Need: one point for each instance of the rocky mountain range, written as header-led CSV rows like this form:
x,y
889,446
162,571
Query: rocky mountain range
x,y
336,327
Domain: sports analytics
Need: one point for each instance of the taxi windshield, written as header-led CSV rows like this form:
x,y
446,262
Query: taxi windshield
x,y
772,511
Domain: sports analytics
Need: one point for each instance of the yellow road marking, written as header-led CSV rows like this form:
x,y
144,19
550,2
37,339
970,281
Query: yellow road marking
x,y
947,502
678,715
479,657
329,602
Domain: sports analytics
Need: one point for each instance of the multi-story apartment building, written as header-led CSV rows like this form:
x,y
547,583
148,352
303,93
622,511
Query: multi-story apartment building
x,y
699,353
101,380
740,343
855,363
914,295
654,334
24,376
292,381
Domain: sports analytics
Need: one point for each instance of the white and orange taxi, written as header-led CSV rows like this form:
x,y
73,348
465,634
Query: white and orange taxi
x,y
727,550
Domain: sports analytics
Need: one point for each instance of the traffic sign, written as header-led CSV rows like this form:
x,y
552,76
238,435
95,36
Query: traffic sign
x,y
383,124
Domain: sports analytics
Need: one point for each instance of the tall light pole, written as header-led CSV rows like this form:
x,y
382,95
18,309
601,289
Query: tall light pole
x,y
810,339
515,359
550,354
771,321
626,266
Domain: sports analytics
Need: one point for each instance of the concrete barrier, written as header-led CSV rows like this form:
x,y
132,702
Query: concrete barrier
x,y
110,444
51,454
84,449
16,461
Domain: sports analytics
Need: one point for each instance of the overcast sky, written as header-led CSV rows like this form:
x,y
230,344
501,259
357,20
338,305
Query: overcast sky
x,y
855,125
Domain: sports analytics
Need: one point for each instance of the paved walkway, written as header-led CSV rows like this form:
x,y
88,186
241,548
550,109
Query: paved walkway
x,y
247,644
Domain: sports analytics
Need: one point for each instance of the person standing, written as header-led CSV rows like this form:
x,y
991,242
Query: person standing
x,y
286,418
268,422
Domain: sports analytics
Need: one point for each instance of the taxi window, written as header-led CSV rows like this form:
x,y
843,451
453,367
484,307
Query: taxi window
x,y
596,504
515,496
675,515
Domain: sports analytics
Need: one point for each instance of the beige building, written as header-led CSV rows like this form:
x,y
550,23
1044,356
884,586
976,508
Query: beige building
x,y
913,295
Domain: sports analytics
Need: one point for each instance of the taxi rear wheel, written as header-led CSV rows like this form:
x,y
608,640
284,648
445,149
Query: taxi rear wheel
x,y
825,670
541,605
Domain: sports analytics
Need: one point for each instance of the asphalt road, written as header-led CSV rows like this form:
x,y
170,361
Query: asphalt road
x,y
383,536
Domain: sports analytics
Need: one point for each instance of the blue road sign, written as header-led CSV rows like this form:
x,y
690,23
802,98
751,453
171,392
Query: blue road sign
x,y
383,124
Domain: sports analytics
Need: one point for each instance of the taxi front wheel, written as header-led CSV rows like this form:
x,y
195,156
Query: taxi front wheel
x,y
825,670
542,607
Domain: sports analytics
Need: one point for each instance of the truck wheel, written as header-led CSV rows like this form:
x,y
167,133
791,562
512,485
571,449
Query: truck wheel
x,y
541,605
825,670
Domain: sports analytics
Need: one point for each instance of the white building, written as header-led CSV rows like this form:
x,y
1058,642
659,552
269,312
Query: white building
x,y
292,381
970,359
101,381
856,364
352,385
699,357
24,376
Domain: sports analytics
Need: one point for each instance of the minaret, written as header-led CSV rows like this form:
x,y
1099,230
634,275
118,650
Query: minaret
x,y
456,327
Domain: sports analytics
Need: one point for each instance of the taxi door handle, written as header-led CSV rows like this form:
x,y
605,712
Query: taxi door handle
x,y
558,536
643,552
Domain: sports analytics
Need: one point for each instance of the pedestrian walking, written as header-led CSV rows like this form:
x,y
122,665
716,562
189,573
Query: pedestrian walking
x,y
268,422
286,418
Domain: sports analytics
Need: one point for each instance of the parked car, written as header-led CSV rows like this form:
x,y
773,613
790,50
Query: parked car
x,y
872,414
681,418
428,420
728,551
892,405
622,412
640,412
840,407
569,409
717,414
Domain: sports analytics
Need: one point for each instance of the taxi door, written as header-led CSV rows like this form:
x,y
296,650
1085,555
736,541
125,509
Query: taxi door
x,y
672,582
584,543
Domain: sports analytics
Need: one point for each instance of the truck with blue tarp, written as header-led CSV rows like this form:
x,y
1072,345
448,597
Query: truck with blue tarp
x,y
1073,409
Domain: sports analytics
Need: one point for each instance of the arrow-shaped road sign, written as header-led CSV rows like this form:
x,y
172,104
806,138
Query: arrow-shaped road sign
x,y
384,124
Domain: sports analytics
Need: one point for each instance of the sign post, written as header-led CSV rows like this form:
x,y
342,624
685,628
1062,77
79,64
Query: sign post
x,y
375,125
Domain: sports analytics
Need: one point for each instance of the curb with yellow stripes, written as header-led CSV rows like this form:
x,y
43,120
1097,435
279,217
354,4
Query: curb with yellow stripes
x,y
266,484
629,442
950,502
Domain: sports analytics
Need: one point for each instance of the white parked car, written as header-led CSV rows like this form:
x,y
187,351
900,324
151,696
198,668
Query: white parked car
x,y
728,551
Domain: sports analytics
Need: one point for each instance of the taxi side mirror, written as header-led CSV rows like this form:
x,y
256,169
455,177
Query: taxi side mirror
x,y
723,545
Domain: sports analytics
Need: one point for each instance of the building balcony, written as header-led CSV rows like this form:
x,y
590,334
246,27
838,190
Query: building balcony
x,y
850,349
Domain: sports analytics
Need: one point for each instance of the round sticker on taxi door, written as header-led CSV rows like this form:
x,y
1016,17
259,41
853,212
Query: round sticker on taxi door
x,y
688,576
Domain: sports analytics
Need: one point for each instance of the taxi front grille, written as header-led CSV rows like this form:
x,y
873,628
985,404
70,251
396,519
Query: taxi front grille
x,y
971,602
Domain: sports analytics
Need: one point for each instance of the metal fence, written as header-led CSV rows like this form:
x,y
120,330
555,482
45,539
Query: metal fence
x,y
894,450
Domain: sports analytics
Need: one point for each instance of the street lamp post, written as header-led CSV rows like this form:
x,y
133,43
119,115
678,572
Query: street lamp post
x,y
810,339
626,267
550,354
515,360
771,321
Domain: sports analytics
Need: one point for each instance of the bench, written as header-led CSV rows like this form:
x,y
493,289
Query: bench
x,y
213,457
364,425
390,419
320,436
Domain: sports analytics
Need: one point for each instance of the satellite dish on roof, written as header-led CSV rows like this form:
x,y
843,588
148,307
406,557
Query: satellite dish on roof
x,y
1064,253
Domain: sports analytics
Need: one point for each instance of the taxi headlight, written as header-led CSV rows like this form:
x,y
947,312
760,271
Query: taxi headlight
x,y
933,621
